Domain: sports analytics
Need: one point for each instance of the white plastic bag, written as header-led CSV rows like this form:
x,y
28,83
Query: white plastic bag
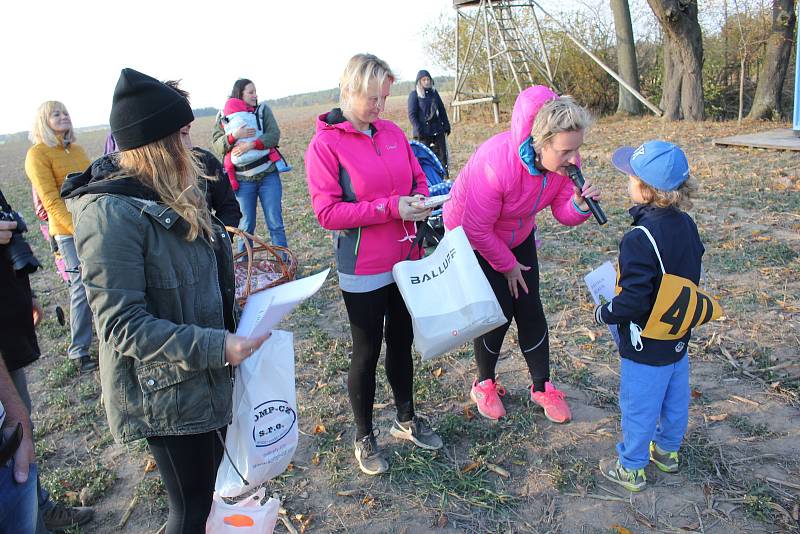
x,y
246,516
448,296
262,437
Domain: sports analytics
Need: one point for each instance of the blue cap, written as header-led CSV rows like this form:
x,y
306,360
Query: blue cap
x,y
657,163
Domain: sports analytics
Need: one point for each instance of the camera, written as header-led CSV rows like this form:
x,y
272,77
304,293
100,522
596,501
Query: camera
x,y
18,251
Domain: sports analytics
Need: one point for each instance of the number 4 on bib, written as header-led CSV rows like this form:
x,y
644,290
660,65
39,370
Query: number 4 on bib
x,y
680,305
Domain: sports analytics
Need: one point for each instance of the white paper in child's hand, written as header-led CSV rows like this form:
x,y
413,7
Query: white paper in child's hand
x,y
265,309
602,283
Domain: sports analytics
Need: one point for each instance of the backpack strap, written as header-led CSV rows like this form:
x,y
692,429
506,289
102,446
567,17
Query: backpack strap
x,y
259,111
655,247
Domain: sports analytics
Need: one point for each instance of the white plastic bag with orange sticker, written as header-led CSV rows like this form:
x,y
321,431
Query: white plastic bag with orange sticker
x,y
246,516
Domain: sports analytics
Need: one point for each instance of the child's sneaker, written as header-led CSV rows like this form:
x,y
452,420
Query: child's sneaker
x,y
370,456
631,480
418,432
552,400
664,460
487,395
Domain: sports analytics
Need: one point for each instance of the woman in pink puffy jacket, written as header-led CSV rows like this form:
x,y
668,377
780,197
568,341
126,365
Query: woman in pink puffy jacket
x,y
510,178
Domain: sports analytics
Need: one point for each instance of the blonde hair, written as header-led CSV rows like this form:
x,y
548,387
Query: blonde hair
x,y
170,169
360,70
561,114
680,198
41,132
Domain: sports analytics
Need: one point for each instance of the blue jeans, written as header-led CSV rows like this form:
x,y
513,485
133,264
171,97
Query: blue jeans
x,y
268,189
654,401
80,316
19,506
20,381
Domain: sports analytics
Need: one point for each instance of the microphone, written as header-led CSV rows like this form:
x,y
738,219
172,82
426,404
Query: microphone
x,y
575,175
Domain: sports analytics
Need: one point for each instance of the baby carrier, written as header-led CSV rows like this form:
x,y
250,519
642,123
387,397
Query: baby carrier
x,y
437,185
253,161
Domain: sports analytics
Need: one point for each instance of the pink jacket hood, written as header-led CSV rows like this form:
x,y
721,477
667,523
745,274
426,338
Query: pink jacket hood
x,y
235,105
498,193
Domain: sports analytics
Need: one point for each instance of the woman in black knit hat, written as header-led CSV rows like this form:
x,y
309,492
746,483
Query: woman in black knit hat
x,y
158,271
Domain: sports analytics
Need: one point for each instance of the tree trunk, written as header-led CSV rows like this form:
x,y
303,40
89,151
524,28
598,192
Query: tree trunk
x,y
682,96
767,100
626,57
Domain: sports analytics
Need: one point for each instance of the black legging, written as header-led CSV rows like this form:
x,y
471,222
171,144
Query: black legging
x,y
188,466
366,312
527,312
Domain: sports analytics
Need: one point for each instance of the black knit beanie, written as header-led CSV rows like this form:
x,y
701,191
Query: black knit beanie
x,y
145,110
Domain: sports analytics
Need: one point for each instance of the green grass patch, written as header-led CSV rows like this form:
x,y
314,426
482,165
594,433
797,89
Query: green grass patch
x,y
749,255
431,480
61,373
66,483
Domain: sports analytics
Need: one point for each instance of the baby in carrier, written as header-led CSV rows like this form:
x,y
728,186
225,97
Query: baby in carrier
x,y
237,114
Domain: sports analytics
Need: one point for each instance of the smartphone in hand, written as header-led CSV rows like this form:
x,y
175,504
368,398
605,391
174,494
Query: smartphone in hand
x,y
435,201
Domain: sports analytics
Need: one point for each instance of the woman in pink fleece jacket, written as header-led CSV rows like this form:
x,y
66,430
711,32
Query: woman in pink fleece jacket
x,y
365,186
510,178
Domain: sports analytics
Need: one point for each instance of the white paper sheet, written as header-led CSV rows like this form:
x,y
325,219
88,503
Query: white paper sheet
x,y
602,284
265,309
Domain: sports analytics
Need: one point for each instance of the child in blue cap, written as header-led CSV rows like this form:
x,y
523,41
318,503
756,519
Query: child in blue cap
x,y
656,306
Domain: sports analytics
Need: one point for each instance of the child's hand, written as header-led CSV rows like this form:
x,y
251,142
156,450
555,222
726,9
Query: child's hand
x,y
244,132
598,315
589,190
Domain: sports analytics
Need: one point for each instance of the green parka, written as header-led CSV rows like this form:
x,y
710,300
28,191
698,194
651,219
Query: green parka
x,y
159,309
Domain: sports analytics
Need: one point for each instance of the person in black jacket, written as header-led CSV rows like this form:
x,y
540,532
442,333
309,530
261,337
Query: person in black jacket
x,y
428,116
20,312
655,309
219,194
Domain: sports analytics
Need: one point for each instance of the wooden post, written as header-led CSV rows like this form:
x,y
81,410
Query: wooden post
x,y
602,65
457,111
493,92
796,121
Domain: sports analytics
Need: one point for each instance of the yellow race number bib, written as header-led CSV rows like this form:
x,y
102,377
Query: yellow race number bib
x,y
679,307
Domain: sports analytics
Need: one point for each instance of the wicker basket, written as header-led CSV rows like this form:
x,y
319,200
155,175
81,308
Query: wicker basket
x,y
266,266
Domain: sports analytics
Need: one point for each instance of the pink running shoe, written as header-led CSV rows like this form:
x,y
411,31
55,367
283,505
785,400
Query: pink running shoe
x,y
552,400
487,395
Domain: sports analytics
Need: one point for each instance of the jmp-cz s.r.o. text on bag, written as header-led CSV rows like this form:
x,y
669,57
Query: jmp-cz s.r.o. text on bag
x,y
262,437
448,296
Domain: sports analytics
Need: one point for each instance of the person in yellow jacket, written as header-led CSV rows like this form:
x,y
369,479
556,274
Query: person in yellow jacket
x,y
52,157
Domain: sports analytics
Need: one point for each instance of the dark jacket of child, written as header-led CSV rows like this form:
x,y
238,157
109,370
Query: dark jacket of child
x,y
639,279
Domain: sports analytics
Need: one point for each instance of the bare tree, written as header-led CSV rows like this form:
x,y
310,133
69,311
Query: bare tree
x,y
626,57
682,95
767,100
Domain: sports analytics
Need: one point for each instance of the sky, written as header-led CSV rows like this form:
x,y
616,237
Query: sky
x,y
73,51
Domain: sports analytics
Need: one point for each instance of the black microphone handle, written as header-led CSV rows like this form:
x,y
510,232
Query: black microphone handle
x,y
596,210
577,179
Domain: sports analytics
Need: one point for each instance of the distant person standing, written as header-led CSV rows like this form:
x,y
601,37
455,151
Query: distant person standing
x,y
265,183
52,157
428,116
